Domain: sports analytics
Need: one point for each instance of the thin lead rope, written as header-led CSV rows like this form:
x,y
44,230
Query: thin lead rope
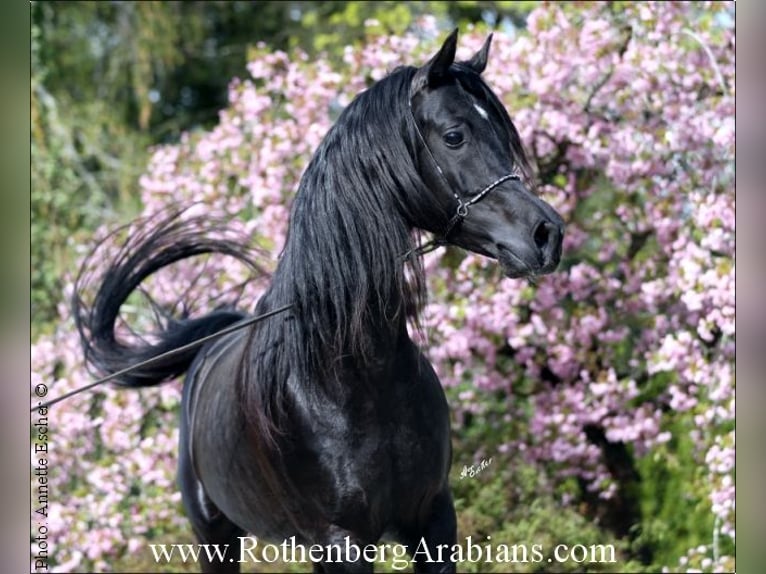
x,y
225,331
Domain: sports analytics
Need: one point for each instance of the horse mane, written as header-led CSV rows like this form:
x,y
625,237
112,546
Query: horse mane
x,y
350,224
352,221
342,269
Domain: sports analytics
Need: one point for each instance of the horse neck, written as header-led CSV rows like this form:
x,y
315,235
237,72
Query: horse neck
x,y
342,269
342,266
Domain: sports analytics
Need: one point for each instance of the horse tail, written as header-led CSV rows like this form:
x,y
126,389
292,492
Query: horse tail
x,y
157,242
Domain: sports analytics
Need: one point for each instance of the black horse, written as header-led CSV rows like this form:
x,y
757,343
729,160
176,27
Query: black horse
x,y
327,423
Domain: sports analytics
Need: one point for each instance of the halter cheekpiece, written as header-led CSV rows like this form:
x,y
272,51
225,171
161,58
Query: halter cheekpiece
x,y
461,212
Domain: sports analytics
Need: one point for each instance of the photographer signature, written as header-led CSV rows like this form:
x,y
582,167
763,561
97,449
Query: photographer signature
x,y
475,469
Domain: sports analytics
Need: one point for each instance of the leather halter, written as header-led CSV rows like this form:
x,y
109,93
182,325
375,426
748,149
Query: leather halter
x,y
461,212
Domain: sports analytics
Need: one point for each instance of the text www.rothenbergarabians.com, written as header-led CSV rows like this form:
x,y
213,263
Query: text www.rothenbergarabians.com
x,y
289,551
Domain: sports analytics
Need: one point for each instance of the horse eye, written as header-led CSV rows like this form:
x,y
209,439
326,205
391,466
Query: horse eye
x,y
453,139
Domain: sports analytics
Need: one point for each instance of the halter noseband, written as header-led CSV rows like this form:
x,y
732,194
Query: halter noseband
x,y
462,205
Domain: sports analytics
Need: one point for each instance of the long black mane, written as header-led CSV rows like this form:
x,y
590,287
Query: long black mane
x,y
350,224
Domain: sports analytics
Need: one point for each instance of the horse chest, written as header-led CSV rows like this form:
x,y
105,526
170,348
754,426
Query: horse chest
x,y
385,450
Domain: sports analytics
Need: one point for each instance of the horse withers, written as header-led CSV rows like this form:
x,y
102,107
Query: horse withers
x,y
327,423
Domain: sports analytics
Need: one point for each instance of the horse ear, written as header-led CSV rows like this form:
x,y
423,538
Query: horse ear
x,y
479,60
435,70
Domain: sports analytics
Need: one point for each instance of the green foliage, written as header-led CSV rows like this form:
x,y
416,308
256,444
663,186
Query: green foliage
x,y
329,26
64,195
515,504
672,486
511,503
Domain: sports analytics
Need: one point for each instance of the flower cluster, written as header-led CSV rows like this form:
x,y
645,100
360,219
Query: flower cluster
x,y
629,118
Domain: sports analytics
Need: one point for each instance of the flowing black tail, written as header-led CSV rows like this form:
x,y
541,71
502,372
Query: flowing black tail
x,y
157,242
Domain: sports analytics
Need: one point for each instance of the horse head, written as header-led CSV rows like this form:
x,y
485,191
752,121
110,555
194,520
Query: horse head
x,y
473,163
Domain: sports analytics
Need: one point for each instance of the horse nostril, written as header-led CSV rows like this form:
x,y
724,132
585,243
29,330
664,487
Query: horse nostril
x,y
541,234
